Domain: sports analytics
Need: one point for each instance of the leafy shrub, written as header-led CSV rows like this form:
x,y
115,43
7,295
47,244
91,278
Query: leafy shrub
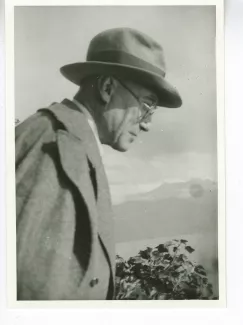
x,y
162,273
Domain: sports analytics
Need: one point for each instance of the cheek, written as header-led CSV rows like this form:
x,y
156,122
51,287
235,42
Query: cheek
x,y
127,120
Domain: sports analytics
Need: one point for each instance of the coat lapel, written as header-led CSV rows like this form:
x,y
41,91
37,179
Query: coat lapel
x,y
77,146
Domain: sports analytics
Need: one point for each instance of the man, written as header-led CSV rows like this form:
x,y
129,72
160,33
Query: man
x,y
65,244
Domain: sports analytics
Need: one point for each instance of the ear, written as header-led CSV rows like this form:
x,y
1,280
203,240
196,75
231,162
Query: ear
x,y
106,88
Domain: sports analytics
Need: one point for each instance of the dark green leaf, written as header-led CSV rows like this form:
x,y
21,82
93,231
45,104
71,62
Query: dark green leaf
x,y
162,249
144,254
189,249
199,269
184,241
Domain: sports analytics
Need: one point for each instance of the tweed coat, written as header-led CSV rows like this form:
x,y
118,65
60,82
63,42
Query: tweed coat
x,y
65,244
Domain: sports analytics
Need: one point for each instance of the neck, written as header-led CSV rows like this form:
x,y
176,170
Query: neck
x,y
95,110
86,104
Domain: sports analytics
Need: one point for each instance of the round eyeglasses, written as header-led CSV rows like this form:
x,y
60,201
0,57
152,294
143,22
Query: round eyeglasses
x,y
147,105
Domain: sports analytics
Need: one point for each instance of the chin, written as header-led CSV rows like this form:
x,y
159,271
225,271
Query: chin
x,y
122,147
123,143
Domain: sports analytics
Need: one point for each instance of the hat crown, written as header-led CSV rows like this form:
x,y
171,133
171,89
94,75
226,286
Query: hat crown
x,y
126,42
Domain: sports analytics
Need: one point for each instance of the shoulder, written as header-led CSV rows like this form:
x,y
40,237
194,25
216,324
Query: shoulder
x,y
36,124
73,120
57,124
33,132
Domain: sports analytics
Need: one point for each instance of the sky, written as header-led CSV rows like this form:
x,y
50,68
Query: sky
x,y
182,143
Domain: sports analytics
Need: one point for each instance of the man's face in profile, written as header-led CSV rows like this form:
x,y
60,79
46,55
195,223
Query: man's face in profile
x,y
125,114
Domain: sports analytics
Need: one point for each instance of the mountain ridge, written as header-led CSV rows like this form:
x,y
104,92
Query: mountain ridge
x,y
187,208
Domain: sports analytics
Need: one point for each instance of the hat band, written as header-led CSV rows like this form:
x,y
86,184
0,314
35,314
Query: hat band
x,y
123,58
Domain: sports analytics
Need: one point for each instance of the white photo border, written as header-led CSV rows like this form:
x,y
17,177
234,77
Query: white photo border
x,y
10,176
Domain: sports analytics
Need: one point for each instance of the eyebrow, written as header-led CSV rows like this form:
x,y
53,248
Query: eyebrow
x,y
152,97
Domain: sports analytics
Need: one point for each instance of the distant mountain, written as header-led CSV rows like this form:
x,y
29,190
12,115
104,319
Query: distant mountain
x,y
172,209
193,188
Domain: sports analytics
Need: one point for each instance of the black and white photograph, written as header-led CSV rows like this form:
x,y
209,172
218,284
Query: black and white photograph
x,y
116,153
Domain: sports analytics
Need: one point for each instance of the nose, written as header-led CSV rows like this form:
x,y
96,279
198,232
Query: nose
x,y
145,126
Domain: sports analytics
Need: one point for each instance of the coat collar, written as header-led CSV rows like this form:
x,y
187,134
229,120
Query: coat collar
x,y
76,135
77,125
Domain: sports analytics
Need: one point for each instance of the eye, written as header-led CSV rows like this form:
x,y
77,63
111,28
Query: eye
x,y
149,102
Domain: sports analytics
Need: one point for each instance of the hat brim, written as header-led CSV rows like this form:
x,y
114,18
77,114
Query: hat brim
x,y
167,95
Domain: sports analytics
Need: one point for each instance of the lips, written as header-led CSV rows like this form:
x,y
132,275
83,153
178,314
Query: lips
x,y
134,133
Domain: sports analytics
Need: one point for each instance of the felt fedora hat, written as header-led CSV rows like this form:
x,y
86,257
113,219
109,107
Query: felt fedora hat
x,y
130,54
